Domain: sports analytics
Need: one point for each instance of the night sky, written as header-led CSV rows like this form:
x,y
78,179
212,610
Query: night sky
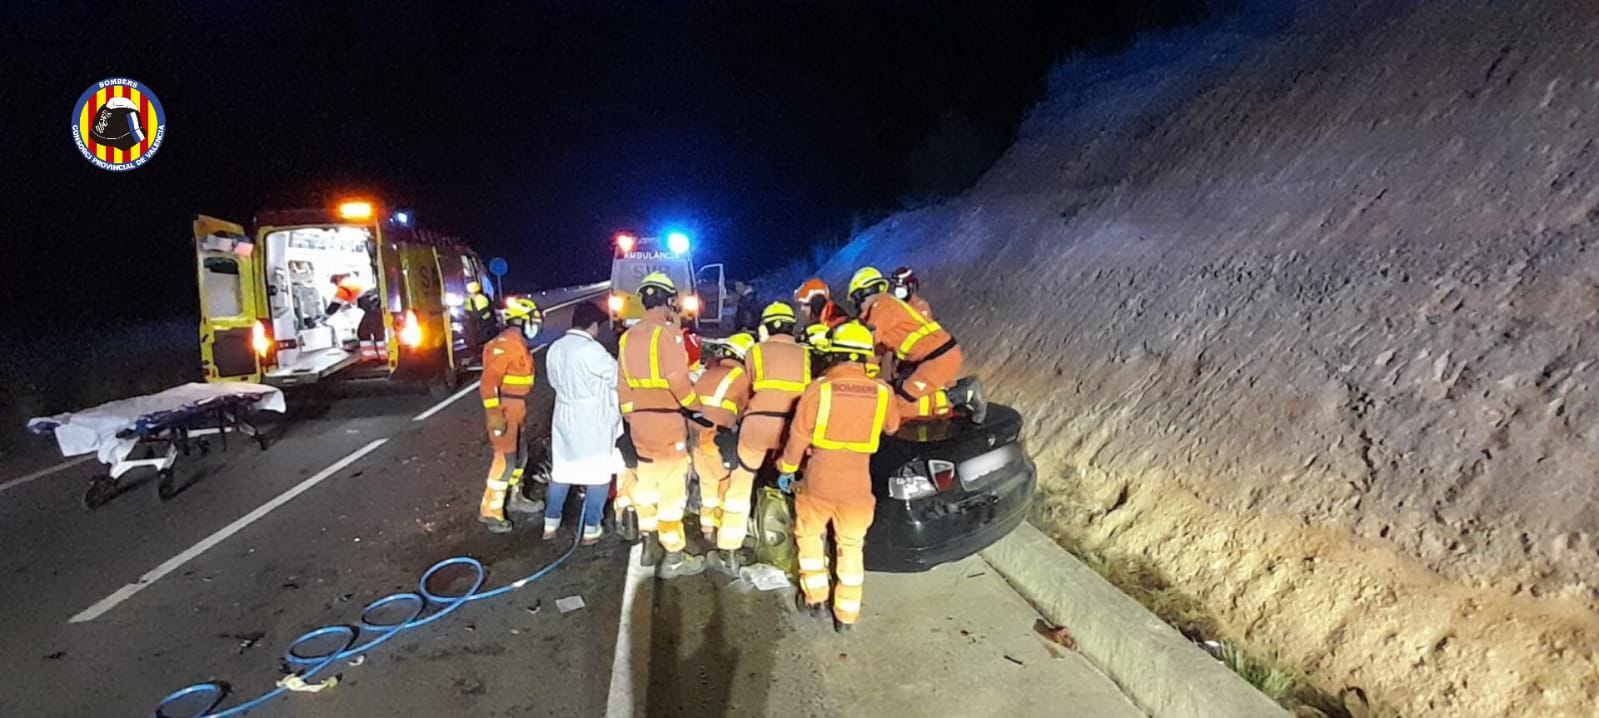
x,y
532,129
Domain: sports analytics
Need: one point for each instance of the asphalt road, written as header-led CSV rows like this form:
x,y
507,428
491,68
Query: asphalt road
x,y
955,641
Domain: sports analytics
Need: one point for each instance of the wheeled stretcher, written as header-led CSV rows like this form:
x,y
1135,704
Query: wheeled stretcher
x,y
152,431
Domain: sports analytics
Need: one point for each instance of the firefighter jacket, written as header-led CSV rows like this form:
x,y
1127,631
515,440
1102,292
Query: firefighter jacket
x,y
654,368
839,421
899,328
507,368
724,390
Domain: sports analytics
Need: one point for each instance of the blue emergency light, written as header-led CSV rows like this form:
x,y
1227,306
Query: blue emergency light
x,y
677,242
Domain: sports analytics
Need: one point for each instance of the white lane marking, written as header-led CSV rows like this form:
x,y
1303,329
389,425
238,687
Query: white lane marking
x,y
172,564
41,473
436,408
630,668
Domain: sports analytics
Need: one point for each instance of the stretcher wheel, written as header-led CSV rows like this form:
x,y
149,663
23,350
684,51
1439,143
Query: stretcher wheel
x,y
164,486
101,489
261,441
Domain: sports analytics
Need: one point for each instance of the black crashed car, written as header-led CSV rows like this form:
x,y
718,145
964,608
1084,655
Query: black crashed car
x,y
945,490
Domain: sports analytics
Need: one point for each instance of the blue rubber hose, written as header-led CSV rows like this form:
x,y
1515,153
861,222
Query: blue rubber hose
x,y
307,662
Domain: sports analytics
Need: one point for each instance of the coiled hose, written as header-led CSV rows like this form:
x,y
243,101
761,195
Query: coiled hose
x,y
205,697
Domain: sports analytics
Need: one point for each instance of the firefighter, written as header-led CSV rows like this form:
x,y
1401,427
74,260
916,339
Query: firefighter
x,y
507,380
838,423
724,390
479,311
928,357
816,300
904,284
779,369
657,400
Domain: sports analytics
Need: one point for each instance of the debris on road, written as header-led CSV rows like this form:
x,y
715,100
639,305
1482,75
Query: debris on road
x,y
246,640
358,660
534,609
58,655
569,604
764,577
1014,660
1055,634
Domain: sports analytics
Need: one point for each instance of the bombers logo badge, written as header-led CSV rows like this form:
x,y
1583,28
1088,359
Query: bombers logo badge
x,y
118,124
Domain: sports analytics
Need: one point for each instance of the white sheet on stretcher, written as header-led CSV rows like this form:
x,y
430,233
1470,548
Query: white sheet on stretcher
x,y
95,430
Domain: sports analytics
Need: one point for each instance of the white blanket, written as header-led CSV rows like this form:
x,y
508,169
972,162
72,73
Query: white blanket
x,y
95,430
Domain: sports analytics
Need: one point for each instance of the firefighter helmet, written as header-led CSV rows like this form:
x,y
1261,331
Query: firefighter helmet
x,y
904,283
851,338
739,344
866,282
778,313
523,309
812,287
473,288
816,336
117,124
656,289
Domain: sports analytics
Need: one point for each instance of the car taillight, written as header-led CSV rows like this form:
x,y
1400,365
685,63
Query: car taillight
x,y
411,333
615,303
909,483
260,339
943,473
691,304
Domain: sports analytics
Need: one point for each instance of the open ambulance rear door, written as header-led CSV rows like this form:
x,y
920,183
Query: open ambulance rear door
x,y
234,341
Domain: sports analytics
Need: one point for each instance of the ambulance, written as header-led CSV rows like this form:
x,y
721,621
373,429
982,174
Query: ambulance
x,y
701,294
351,291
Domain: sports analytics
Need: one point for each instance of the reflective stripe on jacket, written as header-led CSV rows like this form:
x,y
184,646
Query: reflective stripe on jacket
x,y
654,367
839,422
898,327
507,368
724,391
779,370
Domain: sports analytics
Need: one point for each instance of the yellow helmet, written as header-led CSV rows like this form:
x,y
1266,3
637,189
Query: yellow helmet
x,y
739,344
866,279
816,336
778,312
473,287
656,289
522,308
851,337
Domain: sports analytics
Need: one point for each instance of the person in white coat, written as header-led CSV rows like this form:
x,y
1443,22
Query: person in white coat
x,y
586,424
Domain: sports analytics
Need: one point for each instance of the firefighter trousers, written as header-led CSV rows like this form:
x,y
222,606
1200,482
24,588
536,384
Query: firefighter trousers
x,y
734,520
660,494
510,459
921,395
713,479
850,518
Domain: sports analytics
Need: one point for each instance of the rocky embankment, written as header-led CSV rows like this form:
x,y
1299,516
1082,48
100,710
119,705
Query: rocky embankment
x,y
1304,312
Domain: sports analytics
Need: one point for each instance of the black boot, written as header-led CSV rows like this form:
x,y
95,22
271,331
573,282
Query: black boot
x,y
678,564
842,627
518,503
627,526
968,394
814,610
724,562
651,554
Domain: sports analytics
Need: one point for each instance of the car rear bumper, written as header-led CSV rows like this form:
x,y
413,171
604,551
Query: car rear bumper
x,y
908,537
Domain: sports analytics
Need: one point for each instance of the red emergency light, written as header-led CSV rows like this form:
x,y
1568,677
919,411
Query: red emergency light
x,y
625,242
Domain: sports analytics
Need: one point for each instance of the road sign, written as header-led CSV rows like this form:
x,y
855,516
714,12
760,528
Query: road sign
x,y
498,265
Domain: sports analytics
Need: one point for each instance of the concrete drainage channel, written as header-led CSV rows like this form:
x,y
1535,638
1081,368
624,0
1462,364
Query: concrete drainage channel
x,y
1159,669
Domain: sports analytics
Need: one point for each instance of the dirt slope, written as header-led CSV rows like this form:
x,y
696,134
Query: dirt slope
x,y
1303,312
